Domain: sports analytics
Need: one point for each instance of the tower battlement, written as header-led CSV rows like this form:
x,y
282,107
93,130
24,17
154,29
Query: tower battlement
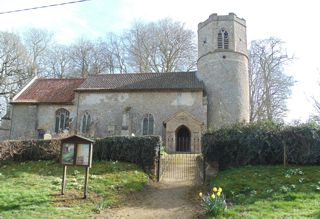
x,y
216,17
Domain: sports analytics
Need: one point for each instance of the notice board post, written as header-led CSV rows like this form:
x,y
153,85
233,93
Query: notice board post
x,y
76,151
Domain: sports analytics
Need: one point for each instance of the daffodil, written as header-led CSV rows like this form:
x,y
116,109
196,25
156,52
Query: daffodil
x,y
220,189
200,194
218,193
213,196
214,189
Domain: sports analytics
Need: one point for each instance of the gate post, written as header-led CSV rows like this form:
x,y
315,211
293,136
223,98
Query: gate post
x,y
204,169
158,163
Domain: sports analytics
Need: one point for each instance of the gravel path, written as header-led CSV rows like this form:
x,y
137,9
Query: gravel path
x,y
160,200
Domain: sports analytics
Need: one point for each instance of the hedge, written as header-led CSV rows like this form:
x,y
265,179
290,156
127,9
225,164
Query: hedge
x,y
262,143
30,150
138,150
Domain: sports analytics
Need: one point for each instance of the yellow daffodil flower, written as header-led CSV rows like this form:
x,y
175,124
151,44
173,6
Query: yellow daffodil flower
x,y
220,189
218,193
214,189
200,194
213,196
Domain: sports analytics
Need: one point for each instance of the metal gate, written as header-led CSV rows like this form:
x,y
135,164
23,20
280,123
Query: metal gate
x,y
181,166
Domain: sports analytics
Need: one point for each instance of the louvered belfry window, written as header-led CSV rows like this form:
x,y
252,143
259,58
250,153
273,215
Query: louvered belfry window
x,y
223,39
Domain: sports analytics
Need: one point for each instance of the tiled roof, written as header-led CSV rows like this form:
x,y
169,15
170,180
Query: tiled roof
x,y
143,81
49,91
62,90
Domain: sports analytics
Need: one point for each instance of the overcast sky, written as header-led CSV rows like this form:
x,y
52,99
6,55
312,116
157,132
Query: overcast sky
x,y
296,22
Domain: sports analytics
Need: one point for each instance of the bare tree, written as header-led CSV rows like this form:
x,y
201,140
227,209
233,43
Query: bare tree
x,y
13,62
37,42
316,103
269,86
58,60
81,55
163,46
137,45
114,53
106,55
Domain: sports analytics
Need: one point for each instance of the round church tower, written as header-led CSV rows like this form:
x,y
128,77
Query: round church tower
x,y
223,67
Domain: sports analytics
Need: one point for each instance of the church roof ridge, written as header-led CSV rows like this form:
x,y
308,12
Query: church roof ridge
x,y
140,73
57,79
143,81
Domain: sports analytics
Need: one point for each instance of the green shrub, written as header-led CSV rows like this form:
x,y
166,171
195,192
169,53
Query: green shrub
x,y
303,144
262,143
28,150
138,150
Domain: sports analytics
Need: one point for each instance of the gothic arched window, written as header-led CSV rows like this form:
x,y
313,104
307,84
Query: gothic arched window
x,y
223,39
147,124
85,123
62,120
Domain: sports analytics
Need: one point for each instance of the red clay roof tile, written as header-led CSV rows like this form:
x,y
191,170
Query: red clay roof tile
x,y
50,91
62,90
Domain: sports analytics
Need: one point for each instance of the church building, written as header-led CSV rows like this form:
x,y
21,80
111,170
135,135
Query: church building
x,y
179,106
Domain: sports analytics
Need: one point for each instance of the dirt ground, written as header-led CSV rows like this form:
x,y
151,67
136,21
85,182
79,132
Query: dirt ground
x,y
160,200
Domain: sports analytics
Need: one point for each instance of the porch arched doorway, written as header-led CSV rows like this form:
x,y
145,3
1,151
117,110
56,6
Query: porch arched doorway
x,y
183,139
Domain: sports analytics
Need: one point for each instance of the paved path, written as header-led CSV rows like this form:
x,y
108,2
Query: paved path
x,y
176,196
177,200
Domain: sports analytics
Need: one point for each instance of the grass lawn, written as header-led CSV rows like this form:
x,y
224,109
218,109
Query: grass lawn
x,y
32,189
271,191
